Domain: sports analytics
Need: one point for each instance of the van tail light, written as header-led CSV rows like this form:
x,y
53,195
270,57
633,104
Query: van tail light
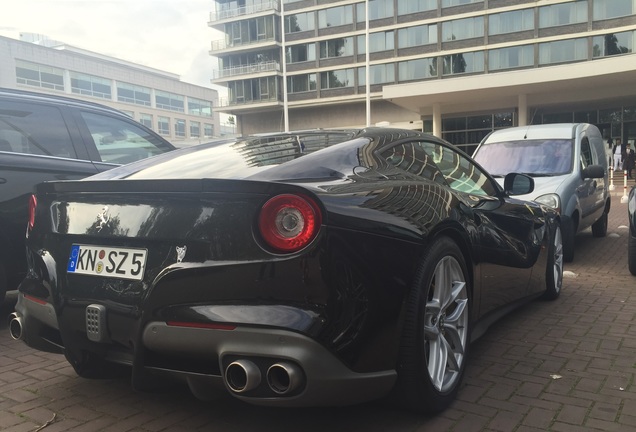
x,y
289,222
33,204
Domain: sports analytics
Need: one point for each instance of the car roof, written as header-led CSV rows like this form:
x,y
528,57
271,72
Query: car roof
x,y
24,95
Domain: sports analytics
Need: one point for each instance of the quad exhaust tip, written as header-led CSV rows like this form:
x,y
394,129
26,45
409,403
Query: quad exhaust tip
x,y
284,378
15,326
242,376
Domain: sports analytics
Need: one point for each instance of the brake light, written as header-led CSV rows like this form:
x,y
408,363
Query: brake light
x,y
288,222
33,204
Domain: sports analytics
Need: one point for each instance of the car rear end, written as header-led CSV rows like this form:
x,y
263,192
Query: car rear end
x,y
213,281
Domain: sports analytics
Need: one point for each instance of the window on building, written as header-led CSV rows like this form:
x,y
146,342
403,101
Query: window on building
x,y
510,22
416,36
299,22
146,120
134,94
379,9
563,51
199,107
163,125
249,31
470,62
336,47
337,78
379,41
450,3
607,9
513,57
208,130
179,128
195,129
466,28
336,16
253,90
378,74
413,6
613,44
301,53
89,85
417,69
301,83
563,14
169,101
36,75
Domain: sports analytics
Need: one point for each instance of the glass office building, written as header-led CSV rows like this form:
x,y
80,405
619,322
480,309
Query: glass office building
x,y
457,68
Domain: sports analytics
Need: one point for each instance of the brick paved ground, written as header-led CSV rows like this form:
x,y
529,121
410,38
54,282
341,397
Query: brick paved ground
x,y
567,365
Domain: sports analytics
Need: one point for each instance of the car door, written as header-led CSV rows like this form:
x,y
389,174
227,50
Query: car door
x,y
36,145
590,190
508,232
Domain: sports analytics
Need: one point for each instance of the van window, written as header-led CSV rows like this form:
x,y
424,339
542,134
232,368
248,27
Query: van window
x,y
34,129
119,141
586,153
542,157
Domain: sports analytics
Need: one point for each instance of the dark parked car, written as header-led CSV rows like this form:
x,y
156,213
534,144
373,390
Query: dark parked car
x,y
287,276
631,241
45,138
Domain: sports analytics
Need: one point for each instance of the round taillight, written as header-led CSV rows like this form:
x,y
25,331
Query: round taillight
x,y
33,204
288,222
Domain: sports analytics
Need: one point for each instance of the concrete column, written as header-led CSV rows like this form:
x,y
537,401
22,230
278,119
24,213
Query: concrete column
x,y
437,120
522,110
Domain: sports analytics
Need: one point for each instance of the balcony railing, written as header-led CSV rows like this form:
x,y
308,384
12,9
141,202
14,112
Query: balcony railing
x,y
244,10
234,102
247,69
222,44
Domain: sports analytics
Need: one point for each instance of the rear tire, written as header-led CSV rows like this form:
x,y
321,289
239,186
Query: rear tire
x,y
554,268
631,254
435,338
599,228
568,232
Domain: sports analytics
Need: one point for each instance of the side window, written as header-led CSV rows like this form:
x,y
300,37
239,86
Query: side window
x,y
442,164
34,129
119,141
586,153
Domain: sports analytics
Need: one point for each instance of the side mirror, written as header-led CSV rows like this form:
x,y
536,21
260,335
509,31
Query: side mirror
x,y
518,184
593,171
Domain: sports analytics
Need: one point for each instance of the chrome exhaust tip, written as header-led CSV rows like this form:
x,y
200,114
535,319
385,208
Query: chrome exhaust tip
x,y
15,326
242,376
284,378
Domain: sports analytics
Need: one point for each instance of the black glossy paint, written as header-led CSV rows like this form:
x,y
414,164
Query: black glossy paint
x,y
345,291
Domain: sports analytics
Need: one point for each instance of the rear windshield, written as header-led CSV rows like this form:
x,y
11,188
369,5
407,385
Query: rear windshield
x,y
535,157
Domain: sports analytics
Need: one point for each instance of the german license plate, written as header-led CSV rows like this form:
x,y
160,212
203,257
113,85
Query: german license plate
x,y
123,263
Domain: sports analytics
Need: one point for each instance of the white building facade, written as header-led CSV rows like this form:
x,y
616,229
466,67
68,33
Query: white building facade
x,y
456,68
179,111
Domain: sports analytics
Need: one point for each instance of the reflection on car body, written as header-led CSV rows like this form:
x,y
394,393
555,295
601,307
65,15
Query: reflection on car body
x,y
314,276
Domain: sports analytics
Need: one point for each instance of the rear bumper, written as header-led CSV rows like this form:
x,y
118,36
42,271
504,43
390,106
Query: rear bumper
x,y
202,356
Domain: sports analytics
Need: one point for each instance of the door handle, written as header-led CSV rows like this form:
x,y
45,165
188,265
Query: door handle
x,y
3,180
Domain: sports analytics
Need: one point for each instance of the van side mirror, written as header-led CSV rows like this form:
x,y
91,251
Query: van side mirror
x,y
593,171
518,184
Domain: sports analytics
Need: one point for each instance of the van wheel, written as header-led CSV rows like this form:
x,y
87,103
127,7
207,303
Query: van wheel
x,y
567,229
3,283
631,254
599,228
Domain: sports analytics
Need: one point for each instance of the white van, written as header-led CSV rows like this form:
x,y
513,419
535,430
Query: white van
x,y
569,167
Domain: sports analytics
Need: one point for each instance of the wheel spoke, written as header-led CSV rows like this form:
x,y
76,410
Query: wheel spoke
x,y
437,362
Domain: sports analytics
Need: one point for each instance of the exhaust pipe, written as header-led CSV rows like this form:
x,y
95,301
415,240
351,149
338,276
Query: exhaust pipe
x,y
242,376
15,326
284,378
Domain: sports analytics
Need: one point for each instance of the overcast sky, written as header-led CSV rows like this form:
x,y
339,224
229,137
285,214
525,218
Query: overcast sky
x,y
171,35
